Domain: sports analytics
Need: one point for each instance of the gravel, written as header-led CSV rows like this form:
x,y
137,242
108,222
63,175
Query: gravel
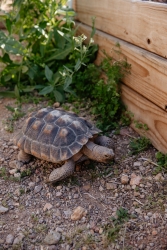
x,y
77,213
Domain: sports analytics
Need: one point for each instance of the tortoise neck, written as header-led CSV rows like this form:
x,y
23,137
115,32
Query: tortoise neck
x,y
98,153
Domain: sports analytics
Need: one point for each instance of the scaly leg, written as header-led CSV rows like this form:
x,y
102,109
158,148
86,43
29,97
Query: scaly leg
x,y
104,141
61,173
23,157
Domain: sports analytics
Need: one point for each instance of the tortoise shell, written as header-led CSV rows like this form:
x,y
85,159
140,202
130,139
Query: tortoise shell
x,y
54,134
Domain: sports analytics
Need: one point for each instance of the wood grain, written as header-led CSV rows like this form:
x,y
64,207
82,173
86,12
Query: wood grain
x,y
147,113
148,71
138,22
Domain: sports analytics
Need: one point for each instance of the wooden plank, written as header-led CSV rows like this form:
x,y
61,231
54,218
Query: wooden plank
x,y
141,23
147,113
148,71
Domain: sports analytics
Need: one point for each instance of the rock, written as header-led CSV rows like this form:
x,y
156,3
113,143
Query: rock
x,y
31,184
76,196
17,175
135,180
12,164
18,239
159,177
154,232
67,213
56,105
110,185
78,213
9,239
47,206
57,212
124,131
137,164
52,247
12,171
58,194
124,179
86,187
2,241
52,238
138,210
37,189
3,209
101,188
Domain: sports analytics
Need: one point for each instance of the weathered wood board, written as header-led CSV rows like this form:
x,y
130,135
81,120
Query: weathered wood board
x,y
148,71
147,113
139,22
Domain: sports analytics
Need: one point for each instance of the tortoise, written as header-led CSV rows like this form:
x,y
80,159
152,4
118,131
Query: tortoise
x,y
56,135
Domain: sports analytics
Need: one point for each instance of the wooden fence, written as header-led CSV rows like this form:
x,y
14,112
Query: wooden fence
x,y
140,27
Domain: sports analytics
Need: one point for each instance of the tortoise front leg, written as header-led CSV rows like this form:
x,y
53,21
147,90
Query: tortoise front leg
x,y
104,141
61,173
23,157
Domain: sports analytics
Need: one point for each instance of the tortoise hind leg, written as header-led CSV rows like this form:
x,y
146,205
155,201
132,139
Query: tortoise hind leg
x,y
104,141
61,173
23,157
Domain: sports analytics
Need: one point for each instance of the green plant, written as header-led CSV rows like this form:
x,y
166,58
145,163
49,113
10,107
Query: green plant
x,y
141,125
122,216
162,162
6,176
99,85
16,114
139,144
41,36
112,230
26,172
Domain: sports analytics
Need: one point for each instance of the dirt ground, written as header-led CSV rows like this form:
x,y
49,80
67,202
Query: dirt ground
x,y
35,215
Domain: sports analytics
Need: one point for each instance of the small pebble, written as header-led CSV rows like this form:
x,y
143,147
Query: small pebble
x,y
124,179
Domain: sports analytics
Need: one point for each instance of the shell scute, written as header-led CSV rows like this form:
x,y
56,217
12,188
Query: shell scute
x,y
65,153
42,113
53,116
78,127
35,129
64,121
48,134
21,142
28,123
64,138
27,145
35,149
55,154
45,152
75,147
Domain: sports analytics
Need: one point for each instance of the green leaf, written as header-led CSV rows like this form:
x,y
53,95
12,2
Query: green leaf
x,y
60,54
59,38
9,108
29,89
17,92
33,71
56,77
42,49
67,82
48,73
6,58
10,94
11,45
77,65
58,95
9,25
39,86
46,90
